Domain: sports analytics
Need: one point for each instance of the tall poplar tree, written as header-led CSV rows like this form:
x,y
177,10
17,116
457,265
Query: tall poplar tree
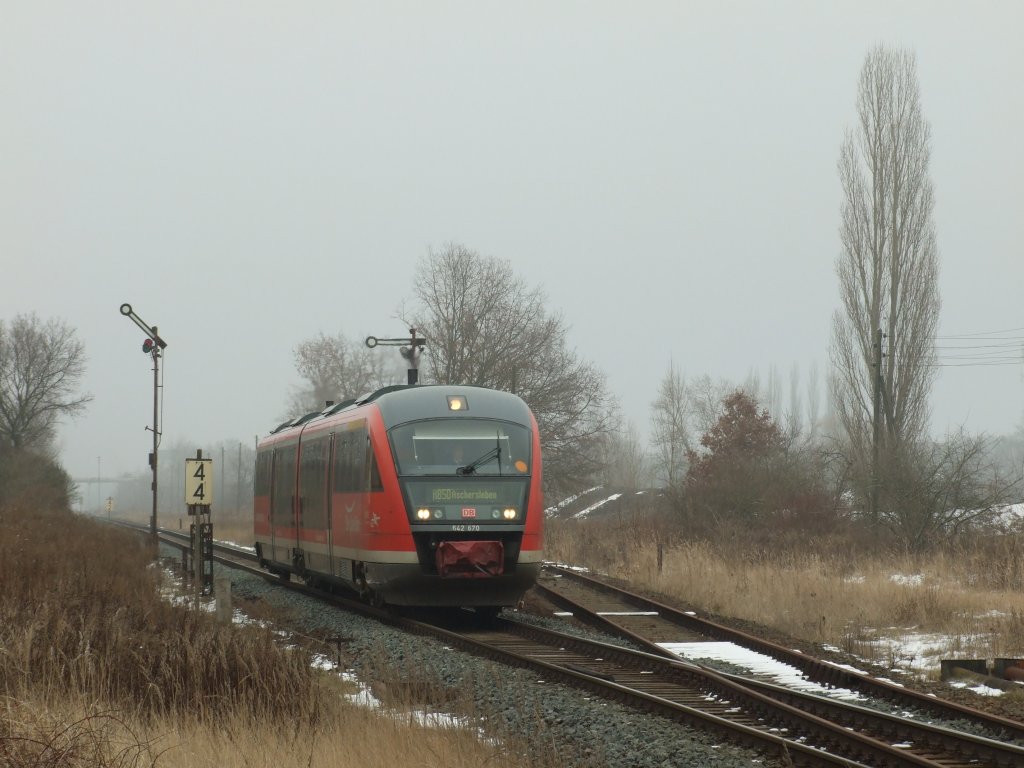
x,y
888,270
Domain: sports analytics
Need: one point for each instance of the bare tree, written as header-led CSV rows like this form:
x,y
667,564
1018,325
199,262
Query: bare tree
x,y
793,415
41,364
770,395
337,369
773,396
940,490
671,430
706,401
486,327
888,268
628,464
813,402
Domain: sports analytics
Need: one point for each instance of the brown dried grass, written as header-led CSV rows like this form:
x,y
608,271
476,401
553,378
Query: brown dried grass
x,y
97,670
74,734
79,615
824,588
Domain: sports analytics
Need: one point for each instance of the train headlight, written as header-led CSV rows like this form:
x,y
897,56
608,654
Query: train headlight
x,y
422,513
509,513
496,513
438,514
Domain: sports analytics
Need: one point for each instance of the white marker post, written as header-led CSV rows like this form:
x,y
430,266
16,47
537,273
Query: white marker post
x,y
199,499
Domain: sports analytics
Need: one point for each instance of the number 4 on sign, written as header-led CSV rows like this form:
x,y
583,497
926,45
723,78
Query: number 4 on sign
x,y
200,475
198,482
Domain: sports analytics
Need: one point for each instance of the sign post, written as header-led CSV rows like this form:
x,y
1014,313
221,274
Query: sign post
x,y
199,500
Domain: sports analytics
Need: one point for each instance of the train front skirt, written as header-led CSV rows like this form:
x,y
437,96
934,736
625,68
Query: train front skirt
x,y
406,584
470,559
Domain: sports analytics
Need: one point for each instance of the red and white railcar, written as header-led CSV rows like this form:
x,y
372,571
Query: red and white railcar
x,y
412,495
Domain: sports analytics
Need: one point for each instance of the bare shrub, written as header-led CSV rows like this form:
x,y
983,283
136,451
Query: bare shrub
x,y
34,737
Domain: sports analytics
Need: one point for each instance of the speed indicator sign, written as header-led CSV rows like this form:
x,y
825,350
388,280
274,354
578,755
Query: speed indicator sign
x,y
199,481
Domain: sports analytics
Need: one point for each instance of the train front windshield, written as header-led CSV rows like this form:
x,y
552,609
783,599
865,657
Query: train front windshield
x,y
461,447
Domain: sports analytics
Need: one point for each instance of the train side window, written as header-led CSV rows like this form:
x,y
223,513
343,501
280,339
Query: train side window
x,y
284,487
264,463
312,466
358,453
350,462
375,481
343,463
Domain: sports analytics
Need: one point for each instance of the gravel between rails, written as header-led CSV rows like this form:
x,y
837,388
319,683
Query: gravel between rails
x,y
588,731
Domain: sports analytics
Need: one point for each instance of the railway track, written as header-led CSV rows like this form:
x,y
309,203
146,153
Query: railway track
x,y
794,728
647,623
699,695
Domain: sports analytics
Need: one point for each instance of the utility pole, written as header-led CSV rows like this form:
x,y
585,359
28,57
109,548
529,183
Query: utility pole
x,y
155,354
152,346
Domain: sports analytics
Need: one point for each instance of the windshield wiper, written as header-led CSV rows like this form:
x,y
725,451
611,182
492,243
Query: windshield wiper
x,y
491,455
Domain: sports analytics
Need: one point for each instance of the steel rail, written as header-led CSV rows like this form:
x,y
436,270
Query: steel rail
x,y
575,676
976,750
844,747
818,670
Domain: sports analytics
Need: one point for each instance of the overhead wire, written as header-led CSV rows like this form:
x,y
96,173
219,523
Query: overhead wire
x,y
993,349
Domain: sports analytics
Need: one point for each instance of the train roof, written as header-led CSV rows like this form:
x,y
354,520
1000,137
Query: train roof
x,y
429,401
401,403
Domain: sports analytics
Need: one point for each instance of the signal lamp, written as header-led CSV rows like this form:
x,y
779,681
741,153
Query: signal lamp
x,y
147,346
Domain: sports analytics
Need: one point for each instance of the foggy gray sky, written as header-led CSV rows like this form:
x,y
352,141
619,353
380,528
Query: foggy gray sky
x,y
249,174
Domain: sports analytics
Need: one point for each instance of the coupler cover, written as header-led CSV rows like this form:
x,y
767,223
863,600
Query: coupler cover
x,y
470,559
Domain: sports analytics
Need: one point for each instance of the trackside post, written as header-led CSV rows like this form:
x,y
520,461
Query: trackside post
x,y
199,500
152,346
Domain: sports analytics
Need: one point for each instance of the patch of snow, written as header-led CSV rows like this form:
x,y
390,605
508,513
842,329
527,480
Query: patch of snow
x,y
758,664
592,507
915,580
981,690
566,566
243,547
566,502
1010,513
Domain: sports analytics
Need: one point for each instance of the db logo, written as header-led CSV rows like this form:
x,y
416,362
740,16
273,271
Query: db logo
x,y
469,512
